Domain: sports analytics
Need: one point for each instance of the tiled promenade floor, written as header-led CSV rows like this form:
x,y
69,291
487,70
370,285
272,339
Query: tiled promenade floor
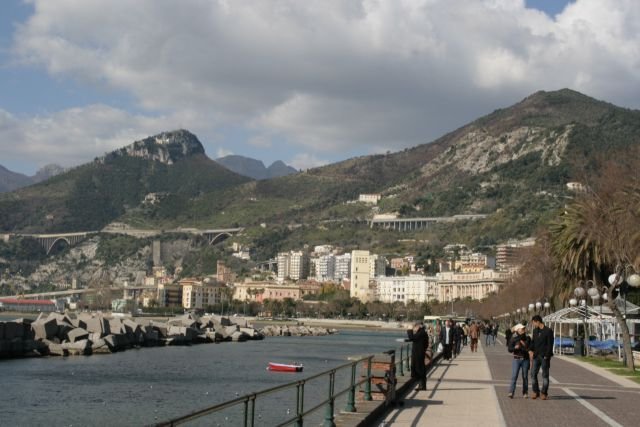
x,y
472,391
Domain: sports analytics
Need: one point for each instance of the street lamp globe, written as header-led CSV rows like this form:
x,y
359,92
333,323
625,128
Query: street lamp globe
x,y
531,306
518,311
579,292
615,279
538,305
605,297
547,305
593,292
634,280
573,302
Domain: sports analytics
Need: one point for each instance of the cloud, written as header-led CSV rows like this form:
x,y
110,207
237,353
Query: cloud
x,y
328,77
306,161
223,152
75,135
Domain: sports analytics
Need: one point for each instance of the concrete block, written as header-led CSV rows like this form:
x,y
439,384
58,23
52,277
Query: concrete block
x,y
63,330
116,327
78,348
13,330
77,334
100,346
239,336
5,345
55,349
97,324
45,328
162,328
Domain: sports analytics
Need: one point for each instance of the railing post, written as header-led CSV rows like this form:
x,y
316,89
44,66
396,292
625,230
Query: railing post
x,y
252,418
351,400
246,412
299,403
407,359
367,385
328,415
401,361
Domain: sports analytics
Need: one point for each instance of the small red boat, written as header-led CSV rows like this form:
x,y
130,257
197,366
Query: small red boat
x,y
284,367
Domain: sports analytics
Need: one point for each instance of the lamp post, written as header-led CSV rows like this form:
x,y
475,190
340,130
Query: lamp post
x,y
624,277
546,306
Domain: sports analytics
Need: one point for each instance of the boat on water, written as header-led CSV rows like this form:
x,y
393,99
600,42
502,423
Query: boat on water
x,y
284,367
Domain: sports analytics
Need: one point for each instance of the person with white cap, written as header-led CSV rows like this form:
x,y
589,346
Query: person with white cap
x,y
519,345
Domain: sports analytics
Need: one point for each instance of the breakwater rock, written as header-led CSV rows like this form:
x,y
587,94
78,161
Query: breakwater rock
x,y
67,334
295,330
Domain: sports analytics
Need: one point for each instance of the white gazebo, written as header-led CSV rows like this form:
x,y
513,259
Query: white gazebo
x,y
597,321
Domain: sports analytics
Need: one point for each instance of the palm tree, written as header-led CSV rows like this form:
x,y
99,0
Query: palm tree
x,y
596,235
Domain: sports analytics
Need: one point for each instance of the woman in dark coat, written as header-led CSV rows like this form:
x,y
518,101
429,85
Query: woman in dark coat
x,y
420,343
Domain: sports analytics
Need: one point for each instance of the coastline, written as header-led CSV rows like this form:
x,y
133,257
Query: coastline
x,y
306,321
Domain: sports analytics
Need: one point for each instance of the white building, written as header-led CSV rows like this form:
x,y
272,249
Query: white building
x,y
477,285
377,266
416,288
325,268
360,276
370,198
298,265
342,268
283,266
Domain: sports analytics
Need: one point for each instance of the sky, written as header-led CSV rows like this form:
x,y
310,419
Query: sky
x,y
307,82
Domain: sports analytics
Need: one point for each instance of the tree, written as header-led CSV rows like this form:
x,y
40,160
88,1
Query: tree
x,y
599,234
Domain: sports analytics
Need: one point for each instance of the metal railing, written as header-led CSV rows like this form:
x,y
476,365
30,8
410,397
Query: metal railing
x,y
249,401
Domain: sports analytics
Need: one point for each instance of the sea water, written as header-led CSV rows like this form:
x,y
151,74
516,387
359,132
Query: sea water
x,y
149,385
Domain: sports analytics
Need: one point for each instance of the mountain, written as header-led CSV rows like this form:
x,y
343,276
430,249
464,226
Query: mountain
x,y
47,172
10,181
512,165
92,195
255,168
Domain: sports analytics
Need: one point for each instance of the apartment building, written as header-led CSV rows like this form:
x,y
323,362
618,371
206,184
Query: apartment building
x,y
404,289
476,285
342,267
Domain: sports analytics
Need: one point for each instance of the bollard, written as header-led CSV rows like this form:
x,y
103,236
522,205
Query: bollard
x,y
367,386
328,415
299,403
407,360
351,400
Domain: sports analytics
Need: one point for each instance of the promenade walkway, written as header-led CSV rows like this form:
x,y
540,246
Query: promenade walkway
x,y
472,391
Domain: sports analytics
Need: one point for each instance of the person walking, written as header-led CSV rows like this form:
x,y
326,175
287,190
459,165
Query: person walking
x,y
508,334
495,330
520,345
420,343
446,338
488,334
459,334
465,329
541,353
474,333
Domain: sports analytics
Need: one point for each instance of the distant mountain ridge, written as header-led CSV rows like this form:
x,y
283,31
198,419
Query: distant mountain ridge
x,y
255,168
90,196
10,180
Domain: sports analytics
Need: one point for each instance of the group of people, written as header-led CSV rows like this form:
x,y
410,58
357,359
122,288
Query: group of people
x,y
452,336
536,352
533,352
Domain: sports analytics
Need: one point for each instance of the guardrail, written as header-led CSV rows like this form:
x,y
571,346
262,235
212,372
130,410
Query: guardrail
x,y
249,401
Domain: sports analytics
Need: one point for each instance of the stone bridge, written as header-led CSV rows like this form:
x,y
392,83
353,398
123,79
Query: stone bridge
x,y
48,241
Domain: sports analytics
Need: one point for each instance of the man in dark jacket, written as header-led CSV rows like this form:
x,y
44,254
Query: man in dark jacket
x,y
447,338
541,352
420,342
